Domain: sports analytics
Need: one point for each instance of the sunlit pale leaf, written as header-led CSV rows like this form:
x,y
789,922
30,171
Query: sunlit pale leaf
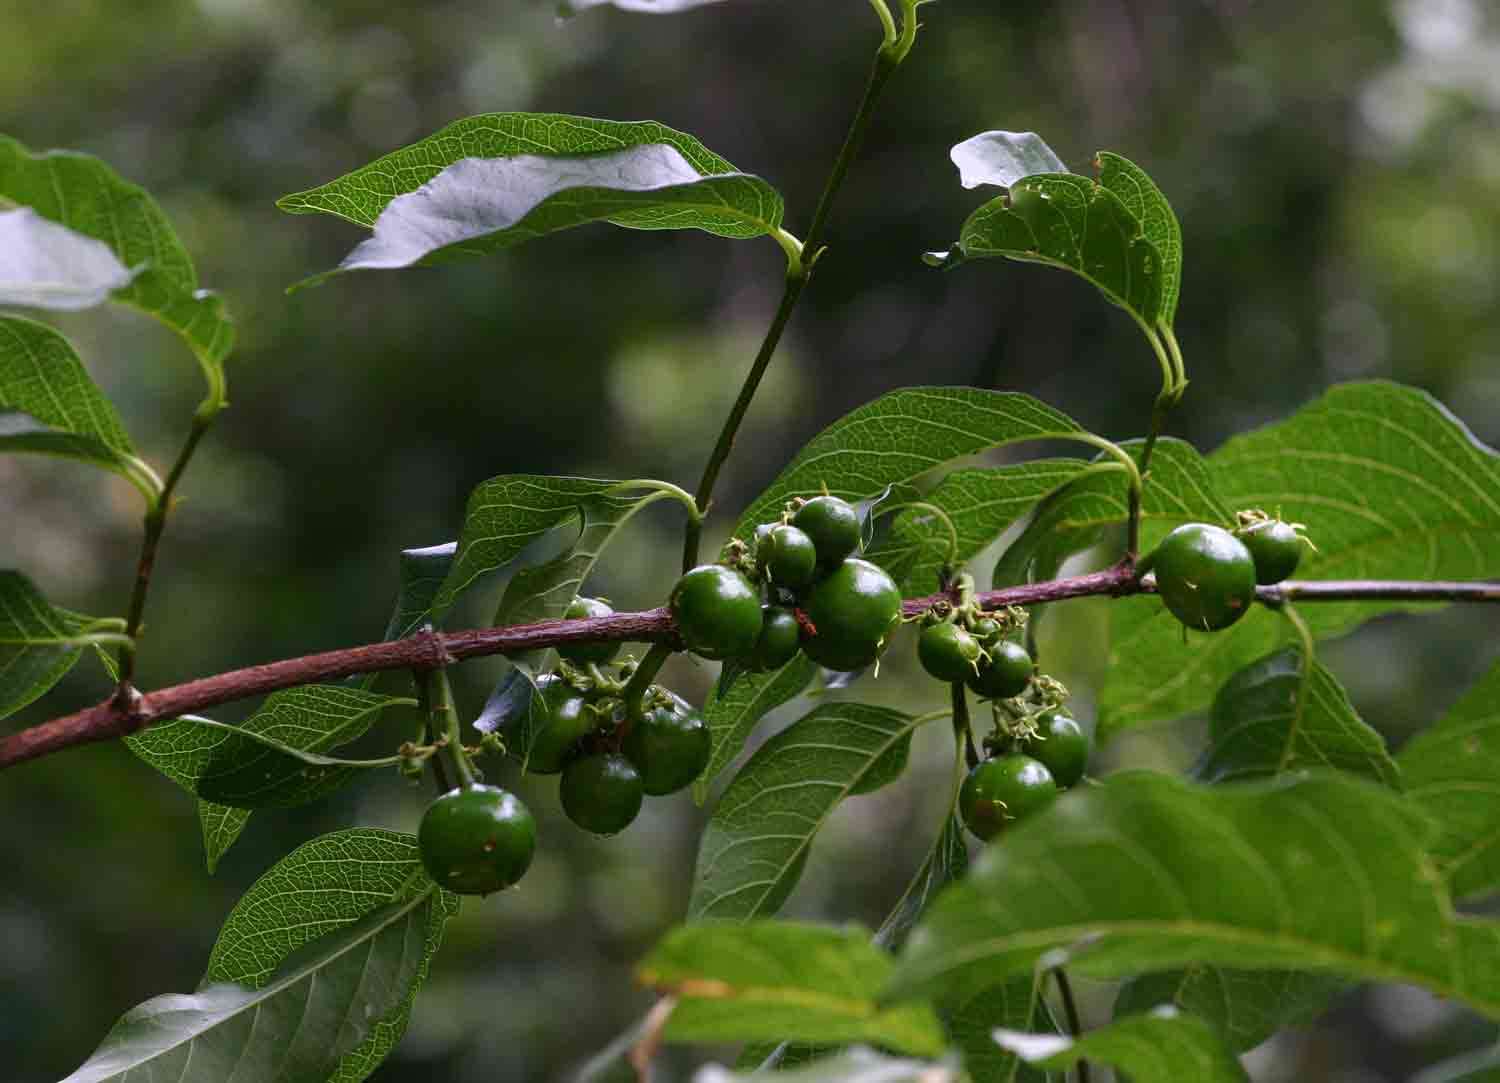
x,y
312,978
1003,158
45,265
783,980
1279,714
1390,486
757,841
1163,1046
1453,772
1147,872
493,181
88,197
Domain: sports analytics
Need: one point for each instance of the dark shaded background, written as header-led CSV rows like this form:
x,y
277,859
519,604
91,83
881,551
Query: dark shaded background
x,y
1337,170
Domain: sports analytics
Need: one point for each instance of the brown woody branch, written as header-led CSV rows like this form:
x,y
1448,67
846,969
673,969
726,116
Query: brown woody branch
x,y
111,719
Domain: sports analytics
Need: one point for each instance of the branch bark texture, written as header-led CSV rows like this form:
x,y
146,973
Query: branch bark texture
x,y
113,719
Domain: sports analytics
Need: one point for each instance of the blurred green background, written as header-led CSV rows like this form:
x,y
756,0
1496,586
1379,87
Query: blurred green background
x,y
1336,168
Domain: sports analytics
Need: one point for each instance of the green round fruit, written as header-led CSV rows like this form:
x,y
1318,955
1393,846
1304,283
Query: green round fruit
x,y
987,630
853,611
601,793
717,612
1006,672
1205,575
558,720
947,651
789,557
1061,746
780,639
833,526
1003,790
477,840
1275,547
668,748
581,654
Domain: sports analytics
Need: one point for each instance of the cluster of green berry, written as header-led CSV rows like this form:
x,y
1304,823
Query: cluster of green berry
x,y
1037,748
1032,759
803,587
612,750
1207,575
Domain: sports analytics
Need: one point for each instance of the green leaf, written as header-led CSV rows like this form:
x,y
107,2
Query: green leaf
x,y
1177,490
1071,222
1144,199
50,406
1452,772
504,515
40,375
271,759
1247,1006
490,182
1146,872
983,504
312,977
1389,484
38,643
321,886
422,572
732,715
45,265
855,1065
756,843
783,980
1163,1046
545,591
972,1022
901,436
22,433
87,196
946,862
1278,714
221,826
1003,158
